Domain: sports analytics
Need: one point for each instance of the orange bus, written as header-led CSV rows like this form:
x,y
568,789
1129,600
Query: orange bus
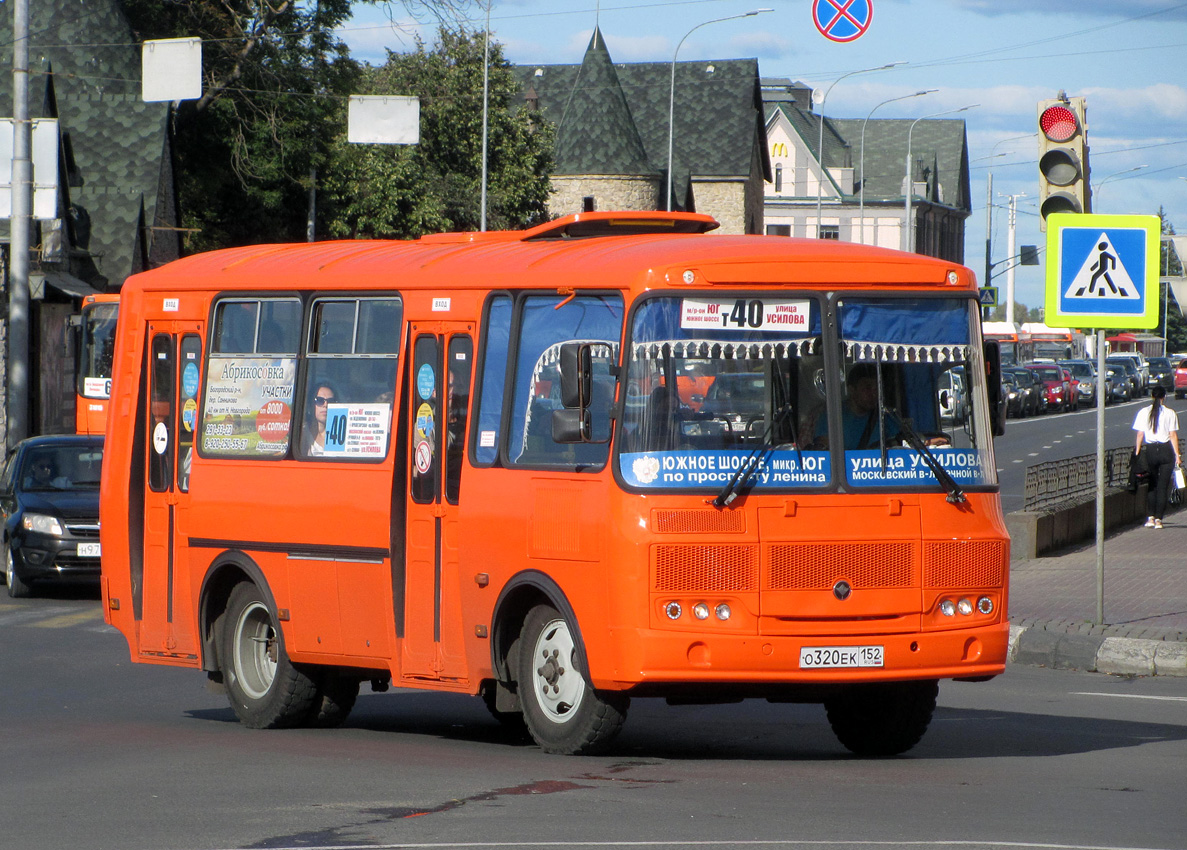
x,y
95,351
462,463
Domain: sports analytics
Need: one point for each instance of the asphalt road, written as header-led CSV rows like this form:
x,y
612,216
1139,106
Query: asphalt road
x,y
99,753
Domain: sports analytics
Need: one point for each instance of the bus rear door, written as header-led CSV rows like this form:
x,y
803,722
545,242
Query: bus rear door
x,y
439,386
174,372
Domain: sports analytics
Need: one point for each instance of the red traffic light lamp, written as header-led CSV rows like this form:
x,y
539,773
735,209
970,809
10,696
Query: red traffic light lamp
x,y
1063,157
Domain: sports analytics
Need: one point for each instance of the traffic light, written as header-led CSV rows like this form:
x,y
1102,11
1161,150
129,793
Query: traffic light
x,y
1063,158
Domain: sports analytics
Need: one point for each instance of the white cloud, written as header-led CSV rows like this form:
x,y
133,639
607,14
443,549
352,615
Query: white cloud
x,y
766,45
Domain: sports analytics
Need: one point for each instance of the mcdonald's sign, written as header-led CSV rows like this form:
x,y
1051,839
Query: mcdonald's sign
x,y
779,149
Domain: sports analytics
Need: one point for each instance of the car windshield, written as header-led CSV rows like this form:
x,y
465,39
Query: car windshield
x,y
1050,374
1160,363
73,467
1079,370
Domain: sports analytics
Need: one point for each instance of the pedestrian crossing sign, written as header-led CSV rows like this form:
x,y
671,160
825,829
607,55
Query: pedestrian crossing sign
x,y
1102,270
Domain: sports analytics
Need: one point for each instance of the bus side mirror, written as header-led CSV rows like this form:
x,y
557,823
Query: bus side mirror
x,y
571,426
576,374
587,403
993,381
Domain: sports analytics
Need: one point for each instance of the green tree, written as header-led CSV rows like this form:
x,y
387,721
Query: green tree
x,y
274,81
398,191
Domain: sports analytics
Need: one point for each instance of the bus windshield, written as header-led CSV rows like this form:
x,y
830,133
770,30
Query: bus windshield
x,y
718,384
98,348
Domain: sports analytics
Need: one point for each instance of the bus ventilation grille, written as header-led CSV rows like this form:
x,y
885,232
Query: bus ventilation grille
x,y
964,563
697,522
706,568
818,566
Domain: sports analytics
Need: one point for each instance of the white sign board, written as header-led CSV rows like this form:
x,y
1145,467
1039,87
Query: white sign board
x,y
171,69
45,168
383,120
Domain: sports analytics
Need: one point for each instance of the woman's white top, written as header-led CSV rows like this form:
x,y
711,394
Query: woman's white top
x,y
1168,423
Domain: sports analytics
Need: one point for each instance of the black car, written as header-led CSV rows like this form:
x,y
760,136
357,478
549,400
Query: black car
x,y
49,499
1162,373
1127,367
1031,384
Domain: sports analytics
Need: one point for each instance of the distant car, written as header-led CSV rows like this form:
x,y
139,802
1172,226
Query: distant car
x,y
1034,401
1162,373
1014,395
1084,380
1181,378
1128,366
1118,383
49,500
954,405
1143,368
1057,390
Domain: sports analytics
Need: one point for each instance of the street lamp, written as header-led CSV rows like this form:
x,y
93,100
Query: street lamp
x,y
909,190
862,158
1099,186
672,90
820,140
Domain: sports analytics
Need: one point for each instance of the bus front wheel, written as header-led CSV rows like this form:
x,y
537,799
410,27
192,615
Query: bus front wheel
x,y
883,718
564,713
266,690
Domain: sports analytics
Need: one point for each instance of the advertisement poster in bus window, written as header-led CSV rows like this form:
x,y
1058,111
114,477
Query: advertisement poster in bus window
x,y
248,409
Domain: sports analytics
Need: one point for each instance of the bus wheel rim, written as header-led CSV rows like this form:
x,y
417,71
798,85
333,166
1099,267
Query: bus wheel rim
x,y
558,685
255,651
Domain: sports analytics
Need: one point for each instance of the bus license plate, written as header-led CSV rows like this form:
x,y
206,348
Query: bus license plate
x,y
88,550
840,656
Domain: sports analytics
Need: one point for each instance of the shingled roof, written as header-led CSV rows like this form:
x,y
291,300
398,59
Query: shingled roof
x,y
939,143
718,120
838,153
85,71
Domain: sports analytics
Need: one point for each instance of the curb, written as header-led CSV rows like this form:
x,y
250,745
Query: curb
x,y
1052,645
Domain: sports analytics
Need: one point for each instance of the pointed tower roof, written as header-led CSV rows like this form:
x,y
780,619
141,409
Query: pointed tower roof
x,y
596,133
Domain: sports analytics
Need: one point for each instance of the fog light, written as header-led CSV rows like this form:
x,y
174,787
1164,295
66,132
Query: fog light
x,y
985,605
965,606
673,610
948,608
723,611
700,611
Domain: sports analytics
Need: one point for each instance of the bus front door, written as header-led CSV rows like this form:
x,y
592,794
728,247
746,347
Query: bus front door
x,y
175,362
433,644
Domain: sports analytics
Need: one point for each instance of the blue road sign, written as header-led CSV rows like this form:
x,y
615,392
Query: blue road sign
x,y
988,296
1102,270
842,20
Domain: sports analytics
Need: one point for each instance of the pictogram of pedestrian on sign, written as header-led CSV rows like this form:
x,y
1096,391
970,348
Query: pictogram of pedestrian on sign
x,y
1101,275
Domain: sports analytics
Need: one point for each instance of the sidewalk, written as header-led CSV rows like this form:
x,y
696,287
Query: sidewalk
x,y
1053,605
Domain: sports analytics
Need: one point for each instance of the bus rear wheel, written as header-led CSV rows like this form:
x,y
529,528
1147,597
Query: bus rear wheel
x,y
336,695
883,718
563,712
266,690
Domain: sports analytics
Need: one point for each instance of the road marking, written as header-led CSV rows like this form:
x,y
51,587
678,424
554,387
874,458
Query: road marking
x,y
1035,454
1018,460
869,843
1127,696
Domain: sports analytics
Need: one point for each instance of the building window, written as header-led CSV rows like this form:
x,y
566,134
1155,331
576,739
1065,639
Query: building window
x,y
778,178
830,231
778,230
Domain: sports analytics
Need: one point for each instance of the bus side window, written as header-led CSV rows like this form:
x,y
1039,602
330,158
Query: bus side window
x,y
457,404
492,381
161,424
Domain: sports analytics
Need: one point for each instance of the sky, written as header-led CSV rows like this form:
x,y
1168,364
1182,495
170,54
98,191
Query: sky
x,y
1125,57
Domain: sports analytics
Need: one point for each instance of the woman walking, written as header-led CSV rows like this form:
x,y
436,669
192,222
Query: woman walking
x,y
1158,427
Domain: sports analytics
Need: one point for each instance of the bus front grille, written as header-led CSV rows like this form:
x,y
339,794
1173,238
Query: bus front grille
x,y
680,521
709,567
818,566
964,563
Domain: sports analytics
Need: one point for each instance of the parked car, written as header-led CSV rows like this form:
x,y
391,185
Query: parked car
x,y
1072,398
1129,367
1034,400
1162,373
1181,378
1142,366
1118,381
1057,390
49,500
1083,374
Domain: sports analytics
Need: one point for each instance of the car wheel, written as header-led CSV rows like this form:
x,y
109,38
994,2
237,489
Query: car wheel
x,y
17,589
266,690
884,718
563,712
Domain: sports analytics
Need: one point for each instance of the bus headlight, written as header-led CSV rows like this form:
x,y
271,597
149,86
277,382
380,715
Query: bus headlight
x,y
965,606
700,611
985,605
673,610
723,612
948,608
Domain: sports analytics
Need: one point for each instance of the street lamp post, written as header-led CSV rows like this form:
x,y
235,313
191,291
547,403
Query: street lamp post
x,y
1101,185
861,202
820,139
672,89
909,186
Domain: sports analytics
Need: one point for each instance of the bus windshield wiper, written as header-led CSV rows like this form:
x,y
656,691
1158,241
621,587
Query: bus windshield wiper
x,y
739,479
955,494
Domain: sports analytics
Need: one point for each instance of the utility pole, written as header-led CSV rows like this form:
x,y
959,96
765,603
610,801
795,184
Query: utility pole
x,y
988,233
18,245
1011,252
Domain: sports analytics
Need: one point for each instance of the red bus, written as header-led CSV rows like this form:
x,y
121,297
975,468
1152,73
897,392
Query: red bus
x,y
96,350
465,463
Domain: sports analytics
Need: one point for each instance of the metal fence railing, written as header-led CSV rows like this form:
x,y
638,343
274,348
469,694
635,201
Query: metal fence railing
x,y
1060,482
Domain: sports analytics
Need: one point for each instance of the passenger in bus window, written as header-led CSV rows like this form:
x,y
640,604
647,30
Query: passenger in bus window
x,y
859,421
314,435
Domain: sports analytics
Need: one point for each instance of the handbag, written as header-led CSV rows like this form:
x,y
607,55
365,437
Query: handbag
x,y
1180,480
1139,471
